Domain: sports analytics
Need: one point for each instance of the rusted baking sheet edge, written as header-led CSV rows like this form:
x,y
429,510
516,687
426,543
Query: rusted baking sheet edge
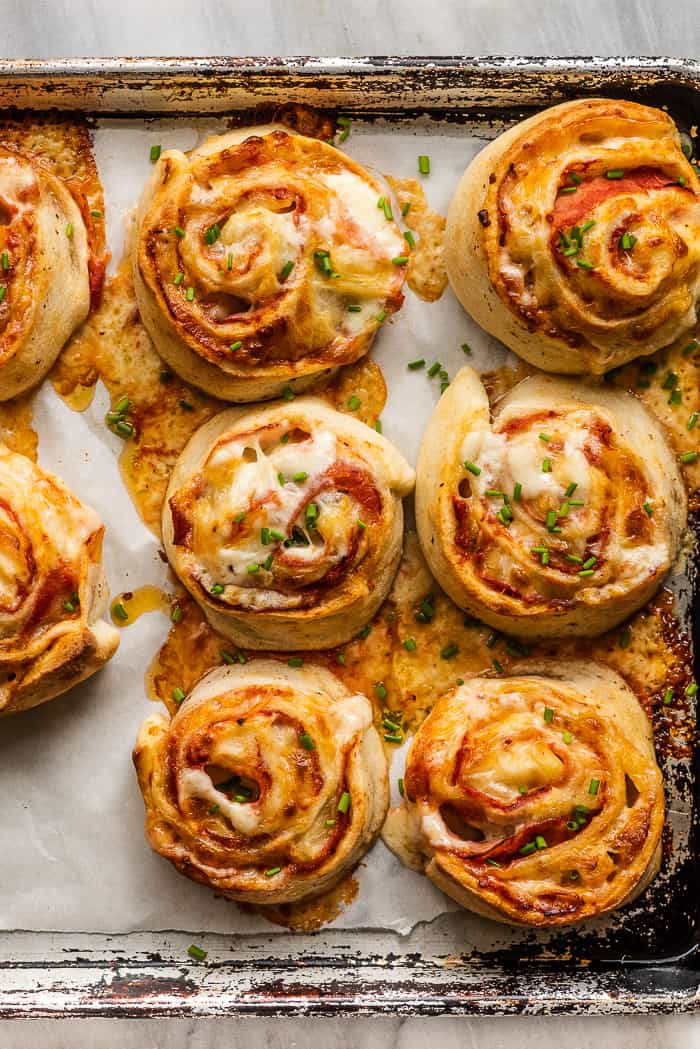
x,y
377,85
150,974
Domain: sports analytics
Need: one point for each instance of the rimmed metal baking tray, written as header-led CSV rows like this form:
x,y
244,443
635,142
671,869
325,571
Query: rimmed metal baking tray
x,y
651,963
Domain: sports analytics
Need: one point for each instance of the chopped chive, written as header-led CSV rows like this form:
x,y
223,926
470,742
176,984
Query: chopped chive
x,y
449,651
472,468
571,489
649,508
405,208
196,952
272,871
401,786
344,803
267,563
178,279
692,689
69,230
568,189
413,366
400,260
590,562
526,850
229,261
517,491
96,213
589,225
5,260
615,173
393,737
227,656
670,381
380,690
690,348
582,264
154,154
344,124
216,589
410,644
548,714
286,270
354,403
365,632
594,786
300,477
576,179
239,518
540,842
386,208
176,614
120,611
434,369
190,295
306,741
551,519
574,559
354,308
361,524
381,316
567,737
545,437
288,393
689,457
235,346
627,241
212,234
424,165
409,238
330,823
692,421
668,697
498,666
179,232
491,639
68,605
213,809
178,694
587,572
546,466
624,639
340,658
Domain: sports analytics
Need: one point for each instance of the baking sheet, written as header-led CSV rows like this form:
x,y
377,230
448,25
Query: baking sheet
x,y
72,828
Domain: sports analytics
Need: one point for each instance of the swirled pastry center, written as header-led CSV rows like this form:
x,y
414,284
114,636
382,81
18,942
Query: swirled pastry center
x,y
274,246
271,776
554,503
598,232
274,514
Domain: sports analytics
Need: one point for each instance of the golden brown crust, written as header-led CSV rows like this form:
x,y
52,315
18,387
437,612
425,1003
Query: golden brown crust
x,y
52,587
44,279
558,517
270,236
575,236
535,800
268,784
285,523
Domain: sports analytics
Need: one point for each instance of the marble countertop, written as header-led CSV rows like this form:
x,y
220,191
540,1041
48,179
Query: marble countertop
x,y
57,28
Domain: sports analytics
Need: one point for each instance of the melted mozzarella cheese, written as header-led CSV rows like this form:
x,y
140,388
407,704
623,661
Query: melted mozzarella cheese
x,y
255,477
360,201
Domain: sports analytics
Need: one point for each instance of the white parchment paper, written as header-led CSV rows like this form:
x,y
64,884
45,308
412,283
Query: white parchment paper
x,y
73,852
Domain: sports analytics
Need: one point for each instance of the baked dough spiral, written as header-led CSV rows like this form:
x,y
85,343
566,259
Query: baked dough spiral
x,y
561,516
285,523
263,260
269,783
535,800
52,587
574,237
44,271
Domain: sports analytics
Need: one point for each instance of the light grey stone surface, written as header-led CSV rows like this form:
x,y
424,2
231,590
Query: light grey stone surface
x,y
55,28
